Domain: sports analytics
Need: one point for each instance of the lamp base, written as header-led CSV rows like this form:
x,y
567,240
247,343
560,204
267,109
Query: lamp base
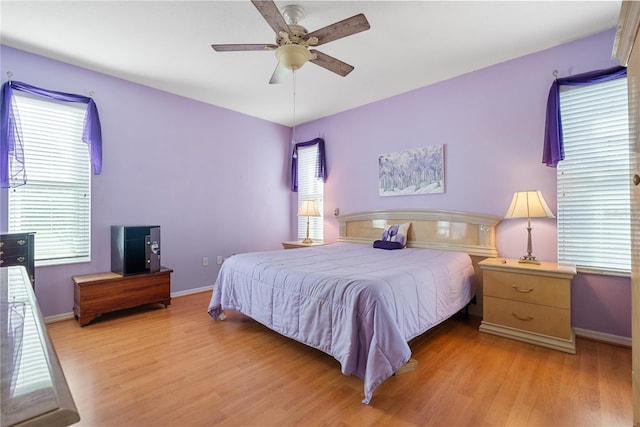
x,y
529,259
307,241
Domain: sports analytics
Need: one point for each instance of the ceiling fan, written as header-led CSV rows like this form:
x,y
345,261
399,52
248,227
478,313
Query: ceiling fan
x,y
293,41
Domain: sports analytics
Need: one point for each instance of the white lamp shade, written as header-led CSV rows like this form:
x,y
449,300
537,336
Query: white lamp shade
x,y
528,204
308,208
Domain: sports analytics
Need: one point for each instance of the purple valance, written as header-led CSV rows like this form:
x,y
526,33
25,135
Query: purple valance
x,y
553,151
12,172
321,162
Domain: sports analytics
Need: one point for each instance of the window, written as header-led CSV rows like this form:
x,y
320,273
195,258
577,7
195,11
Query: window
x,y
310,188
56,201
594,206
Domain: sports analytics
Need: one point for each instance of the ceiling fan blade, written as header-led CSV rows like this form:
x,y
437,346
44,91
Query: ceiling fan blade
x,y
242,47
278,74
331,63
341,29
272,15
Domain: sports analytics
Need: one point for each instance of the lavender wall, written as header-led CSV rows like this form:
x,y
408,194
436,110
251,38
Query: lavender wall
x,y
491,122
197,170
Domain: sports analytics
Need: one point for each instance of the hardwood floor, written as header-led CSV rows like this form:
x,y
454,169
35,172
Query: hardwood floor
x,y
177,367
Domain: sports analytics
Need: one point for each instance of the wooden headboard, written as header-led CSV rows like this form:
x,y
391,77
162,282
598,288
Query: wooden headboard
x,y
433,229
445,230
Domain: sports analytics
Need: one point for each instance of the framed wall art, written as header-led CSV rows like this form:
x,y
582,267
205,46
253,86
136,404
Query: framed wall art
x,y
410,172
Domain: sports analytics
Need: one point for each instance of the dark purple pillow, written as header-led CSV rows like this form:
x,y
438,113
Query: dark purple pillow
x,y
385,244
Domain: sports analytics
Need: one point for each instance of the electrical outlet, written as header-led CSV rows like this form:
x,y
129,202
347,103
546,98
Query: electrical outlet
x,y
219,259
205,261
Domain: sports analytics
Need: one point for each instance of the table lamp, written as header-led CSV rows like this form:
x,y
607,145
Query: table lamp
x,y
308,208
528,204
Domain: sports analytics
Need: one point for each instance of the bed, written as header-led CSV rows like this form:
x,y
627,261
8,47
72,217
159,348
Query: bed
x,y
360,304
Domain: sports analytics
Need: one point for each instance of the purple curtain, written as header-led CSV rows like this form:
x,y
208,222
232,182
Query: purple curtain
x,y
553,151
11,148
321,162
12,172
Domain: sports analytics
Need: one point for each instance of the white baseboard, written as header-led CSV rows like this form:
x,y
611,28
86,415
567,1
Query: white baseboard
x,y
59,317
192,291
70,315
601,336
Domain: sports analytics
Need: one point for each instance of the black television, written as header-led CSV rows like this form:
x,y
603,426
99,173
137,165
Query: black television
x,y
135,249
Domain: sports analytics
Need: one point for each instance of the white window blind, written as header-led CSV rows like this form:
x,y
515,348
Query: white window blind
x,y
310,188
594,206
56,201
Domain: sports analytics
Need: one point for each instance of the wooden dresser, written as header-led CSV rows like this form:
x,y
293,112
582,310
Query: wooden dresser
x,y
528,302
34,389
96,294
17,249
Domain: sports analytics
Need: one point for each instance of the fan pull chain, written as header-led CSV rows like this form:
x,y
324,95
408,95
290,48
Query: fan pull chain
x,y
293,139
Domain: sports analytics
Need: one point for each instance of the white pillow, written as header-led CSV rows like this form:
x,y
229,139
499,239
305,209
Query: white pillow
x,y
397,233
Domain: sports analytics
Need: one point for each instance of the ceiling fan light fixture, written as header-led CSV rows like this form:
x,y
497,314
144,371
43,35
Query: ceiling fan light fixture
x,y
293,56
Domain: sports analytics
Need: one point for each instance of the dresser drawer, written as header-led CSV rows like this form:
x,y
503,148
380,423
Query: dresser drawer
x,y
7,252
550,291
17,251
14,259
540,319
13,243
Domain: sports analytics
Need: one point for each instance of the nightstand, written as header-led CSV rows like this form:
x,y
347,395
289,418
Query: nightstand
x,y
298,244
528,302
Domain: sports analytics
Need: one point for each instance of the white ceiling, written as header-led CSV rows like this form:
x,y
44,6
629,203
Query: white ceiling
x,y
411,44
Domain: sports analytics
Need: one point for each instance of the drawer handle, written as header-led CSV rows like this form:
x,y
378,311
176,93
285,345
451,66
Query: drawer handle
x,y
22,242
524,291
21,259
526,319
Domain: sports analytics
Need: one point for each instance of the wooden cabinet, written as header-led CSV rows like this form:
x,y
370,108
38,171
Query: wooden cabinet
x,y
298,244
17,249
528,302
96,294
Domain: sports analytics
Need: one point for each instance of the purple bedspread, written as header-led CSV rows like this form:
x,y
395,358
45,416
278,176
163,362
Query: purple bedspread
x,y
359,304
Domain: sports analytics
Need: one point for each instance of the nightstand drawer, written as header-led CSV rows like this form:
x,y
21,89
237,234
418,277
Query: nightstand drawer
x,y
550,291
540,319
